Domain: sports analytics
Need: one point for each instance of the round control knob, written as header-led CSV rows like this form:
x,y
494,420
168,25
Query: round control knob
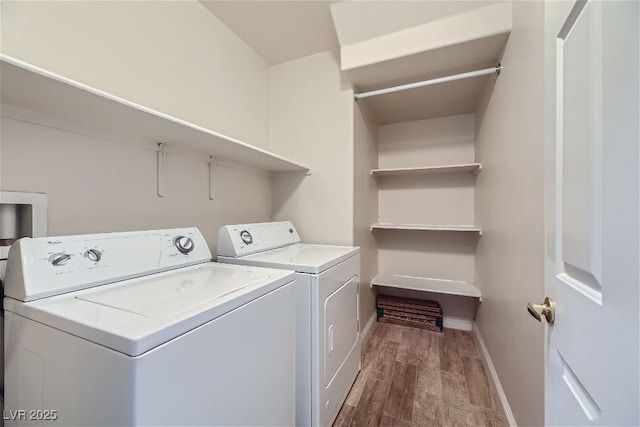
x,y
93,255
59,259
246,237
184,244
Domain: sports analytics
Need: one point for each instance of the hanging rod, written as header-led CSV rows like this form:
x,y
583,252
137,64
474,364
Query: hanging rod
x,y
470,74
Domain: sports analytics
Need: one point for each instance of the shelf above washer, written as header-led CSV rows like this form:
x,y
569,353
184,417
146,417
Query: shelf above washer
x,y
468,167
425,227
50,99
425,284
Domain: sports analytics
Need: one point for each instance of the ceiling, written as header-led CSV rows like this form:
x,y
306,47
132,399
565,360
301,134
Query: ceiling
x,y
284,30
279,31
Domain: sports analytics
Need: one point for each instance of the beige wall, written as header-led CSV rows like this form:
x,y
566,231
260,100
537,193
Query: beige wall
x,y
510,210
171,56
365,204
312,122
427,199
97,186
174,57
357,21
431,142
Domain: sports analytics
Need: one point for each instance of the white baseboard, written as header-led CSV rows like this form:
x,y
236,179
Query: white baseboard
x,y
457,323
365,334
493,377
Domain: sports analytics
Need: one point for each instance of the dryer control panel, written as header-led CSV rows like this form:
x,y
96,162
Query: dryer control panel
x,y
245,239
46,266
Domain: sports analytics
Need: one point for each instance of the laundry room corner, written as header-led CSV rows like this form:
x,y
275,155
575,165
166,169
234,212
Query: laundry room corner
x,y
312,122
105,177
510,255
127,49
365,209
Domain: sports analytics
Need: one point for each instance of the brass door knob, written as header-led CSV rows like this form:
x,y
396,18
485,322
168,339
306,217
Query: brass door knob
x,y
546,309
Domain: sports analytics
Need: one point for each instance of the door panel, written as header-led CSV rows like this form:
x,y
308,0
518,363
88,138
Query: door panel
x,y
592,353
340,326
581,142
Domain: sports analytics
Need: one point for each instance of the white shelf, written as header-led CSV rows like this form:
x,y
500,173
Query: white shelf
x,y
425,284
469,167
426,227
53,97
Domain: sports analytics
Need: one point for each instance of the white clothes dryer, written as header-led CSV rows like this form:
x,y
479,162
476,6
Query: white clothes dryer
x,y
141,328
327,309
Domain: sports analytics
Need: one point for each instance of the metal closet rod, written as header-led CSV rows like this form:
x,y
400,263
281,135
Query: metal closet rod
x,y
470,74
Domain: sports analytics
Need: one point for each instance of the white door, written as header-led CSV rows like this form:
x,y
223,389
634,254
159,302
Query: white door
x,y
592,197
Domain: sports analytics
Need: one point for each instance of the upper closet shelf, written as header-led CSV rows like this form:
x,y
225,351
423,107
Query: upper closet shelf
x,y
469,167
33,94
462,43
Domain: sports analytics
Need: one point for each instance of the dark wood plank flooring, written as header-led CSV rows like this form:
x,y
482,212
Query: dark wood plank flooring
x,y
412,377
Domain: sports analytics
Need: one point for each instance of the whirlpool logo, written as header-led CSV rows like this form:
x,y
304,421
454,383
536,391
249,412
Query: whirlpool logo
x,y
54,242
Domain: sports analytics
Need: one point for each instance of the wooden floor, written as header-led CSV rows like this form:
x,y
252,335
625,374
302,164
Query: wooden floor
x,y
413,377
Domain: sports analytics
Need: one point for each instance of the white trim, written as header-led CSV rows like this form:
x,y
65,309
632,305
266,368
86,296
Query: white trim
x,y
365,334
493,377
457,323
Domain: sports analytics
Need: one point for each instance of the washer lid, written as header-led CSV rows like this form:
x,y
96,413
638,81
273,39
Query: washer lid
x,y
301,257
137,315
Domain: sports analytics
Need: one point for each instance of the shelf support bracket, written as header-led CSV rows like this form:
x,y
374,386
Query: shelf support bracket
x,y
211,172
162,152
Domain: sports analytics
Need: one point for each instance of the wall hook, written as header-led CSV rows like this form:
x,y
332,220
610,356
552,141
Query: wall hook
x,y
211,172
162,152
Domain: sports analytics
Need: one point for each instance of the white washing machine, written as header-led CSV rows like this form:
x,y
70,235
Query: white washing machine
x,y
327,307
140,328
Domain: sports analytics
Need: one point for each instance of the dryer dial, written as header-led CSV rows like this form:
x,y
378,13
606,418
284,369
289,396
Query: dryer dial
x,y
246,237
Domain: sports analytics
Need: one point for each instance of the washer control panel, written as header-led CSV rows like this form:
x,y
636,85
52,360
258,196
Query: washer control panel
x,y
46,266
245,239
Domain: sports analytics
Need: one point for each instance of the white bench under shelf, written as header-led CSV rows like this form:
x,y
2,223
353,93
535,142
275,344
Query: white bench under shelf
x,y
425,284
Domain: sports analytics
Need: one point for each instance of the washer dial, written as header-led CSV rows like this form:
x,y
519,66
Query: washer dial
x,y
93,255
59,259
246,237
184,244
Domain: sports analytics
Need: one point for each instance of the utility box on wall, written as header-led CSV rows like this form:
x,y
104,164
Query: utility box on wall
x,y
21,215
